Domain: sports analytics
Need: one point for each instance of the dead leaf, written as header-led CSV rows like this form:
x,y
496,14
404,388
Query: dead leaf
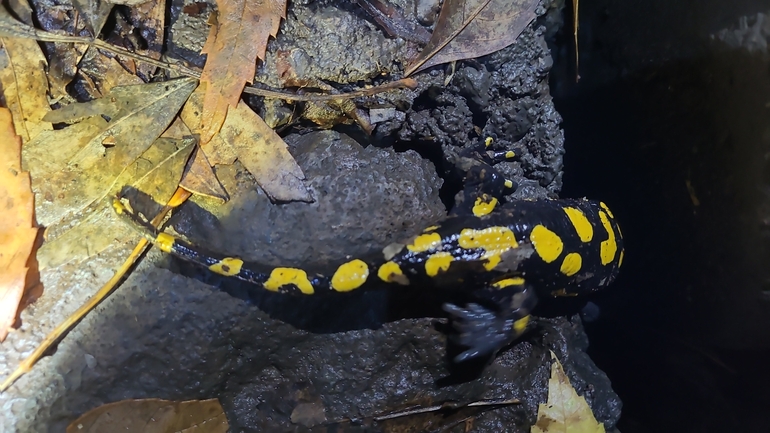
x,y
216,150
156,173
468,29
77,168
18,229
265,155
566,411
95,13
199,178
245,136
235,41
153,415
25,86
128,2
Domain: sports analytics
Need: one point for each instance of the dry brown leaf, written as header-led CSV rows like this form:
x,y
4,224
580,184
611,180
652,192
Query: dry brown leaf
x,y
216,150
565,411
25,86
245,136
101,73
235,41
156,173
18,229
265,155
199,178
468,29
153,415
77,164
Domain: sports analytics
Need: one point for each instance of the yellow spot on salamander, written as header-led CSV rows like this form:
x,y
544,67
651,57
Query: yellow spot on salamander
x,y
513,281
606,209
508,183
424,242
583,227
608,247
571,264
481,207
488,141
548,245
620,260
280,277
510,154
520,325
350,276
495,241
430,229
228,266
437,263
165,242
492,261
390,272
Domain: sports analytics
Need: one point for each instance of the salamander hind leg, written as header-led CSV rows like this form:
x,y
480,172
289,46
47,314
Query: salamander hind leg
x,y
484,330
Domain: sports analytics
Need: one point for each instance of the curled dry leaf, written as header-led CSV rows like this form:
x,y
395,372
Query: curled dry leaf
x,y
467,29
17,226
565,411
153,415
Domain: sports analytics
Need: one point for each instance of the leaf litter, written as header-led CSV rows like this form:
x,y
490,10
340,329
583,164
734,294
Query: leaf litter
x,y
112,140
132,117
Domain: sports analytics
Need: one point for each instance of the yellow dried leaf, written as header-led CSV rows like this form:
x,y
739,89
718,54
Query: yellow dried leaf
x,y
25,86
565,411
264,154
77,168
245,136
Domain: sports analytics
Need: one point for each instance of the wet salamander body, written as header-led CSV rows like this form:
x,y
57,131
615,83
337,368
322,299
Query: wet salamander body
x,y
508,255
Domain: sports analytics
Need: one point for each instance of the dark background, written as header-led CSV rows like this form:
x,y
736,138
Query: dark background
x,y
672,129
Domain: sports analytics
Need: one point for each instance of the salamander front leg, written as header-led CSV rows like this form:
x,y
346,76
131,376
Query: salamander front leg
x,y
485,331
483,185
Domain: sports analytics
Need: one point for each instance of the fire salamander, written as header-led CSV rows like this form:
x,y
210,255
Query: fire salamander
x,y
507,254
